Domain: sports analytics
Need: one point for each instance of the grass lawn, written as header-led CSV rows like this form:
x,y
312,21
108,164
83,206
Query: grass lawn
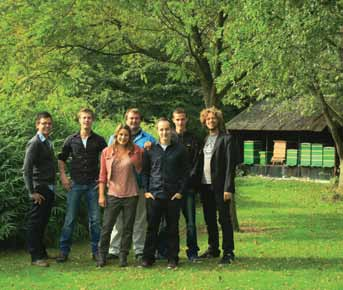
x,y
292,238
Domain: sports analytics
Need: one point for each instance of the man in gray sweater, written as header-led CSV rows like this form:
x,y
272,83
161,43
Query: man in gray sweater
x,y
39,172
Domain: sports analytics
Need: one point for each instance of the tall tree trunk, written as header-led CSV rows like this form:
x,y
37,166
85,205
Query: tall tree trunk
x,y
334,128
211,97
340,181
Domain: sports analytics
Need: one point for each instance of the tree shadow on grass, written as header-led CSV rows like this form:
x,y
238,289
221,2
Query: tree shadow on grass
x,y
244,201
79,264
273,264
309,226
288,263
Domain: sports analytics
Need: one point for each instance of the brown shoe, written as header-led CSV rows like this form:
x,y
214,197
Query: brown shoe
x,y
40,263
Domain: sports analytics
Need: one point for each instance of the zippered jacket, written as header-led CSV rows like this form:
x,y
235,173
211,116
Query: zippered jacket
x,y
165,172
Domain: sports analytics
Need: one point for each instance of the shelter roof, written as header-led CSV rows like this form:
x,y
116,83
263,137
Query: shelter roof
x,y
263,117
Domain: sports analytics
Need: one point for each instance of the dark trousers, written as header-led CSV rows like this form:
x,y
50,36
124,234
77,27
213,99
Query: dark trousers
x,y
213,202
115,206
38,219
156,209
188,211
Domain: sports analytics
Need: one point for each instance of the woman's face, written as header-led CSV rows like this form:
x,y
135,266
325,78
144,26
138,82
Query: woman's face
x,y
123,137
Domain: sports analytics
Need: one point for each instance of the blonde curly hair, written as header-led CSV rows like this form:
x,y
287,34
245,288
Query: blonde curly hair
x,y
218,113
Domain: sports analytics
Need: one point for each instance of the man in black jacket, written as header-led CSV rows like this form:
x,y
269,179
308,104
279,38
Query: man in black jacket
x,y
182,136
164,174
39,172
216,172
84,148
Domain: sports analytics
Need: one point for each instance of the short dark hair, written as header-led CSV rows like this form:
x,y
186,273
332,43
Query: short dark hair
x,y
179,111
162,119
42,115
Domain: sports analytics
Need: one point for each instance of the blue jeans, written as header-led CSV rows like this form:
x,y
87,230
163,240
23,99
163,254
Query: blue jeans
x,y
188,211
73,204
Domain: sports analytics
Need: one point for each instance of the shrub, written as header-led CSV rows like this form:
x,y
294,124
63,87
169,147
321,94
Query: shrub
x,y
17,127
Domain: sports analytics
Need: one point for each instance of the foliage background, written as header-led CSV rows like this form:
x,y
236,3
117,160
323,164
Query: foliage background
x,y
156,55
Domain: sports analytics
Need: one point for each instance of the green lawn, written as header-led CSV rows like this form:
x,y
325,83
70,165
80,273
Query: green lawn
x,y
291,239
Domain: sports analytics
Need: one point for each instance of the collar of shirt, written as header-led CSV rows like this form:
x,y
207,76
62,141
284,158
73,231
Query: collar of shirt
x,y
43,139
78,134
41,136
137,135
171,143
185,132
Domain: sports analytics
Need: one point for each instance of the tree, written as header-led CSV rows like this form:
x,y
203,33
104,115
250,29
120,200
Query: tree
x,y
192,40
38,62
301,47
108,50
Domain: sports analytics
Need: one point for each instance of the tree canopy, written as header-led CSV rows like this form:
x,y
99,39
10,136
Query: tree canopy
x,y
103,50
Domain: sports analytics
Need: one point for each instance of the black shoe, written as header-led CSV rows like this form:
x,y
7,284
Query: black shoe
x,y
139,257
123,261
95,257
227,259
159,256
194,259
146,264
210,254
46,256
62,258
172,265
101,261
112,256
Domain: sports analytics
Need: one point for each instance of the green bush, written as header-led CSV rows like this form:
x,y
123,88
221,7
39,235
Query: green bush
x,y
17,127
13,198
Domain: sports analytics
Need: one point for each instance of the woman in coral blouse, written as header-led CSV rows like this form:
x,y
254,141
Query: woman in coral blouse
x,y
118,166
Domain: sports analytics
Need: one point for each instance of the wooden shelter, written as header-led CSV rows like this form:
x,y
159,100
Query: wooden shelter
x,y
266,124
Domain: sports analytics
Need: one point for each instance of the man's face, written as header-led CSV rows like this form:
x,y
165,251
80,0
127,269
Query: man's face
x,y
86,121
133,120
44,126
180,121
211,121
164,132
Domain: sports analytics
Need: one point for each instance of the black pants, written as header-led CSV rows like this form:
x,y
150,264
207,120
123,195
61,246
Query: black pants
x,y
188,211
213,202
170,209
38,219
115,206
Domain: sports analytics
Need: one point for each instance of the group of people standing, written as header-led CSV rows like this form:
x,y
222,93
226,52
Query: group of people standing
x,y
143,184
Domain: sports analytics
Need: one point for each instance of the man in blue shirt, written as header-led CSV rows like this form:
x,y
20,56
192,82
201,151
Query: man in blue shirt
x,y
133,119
